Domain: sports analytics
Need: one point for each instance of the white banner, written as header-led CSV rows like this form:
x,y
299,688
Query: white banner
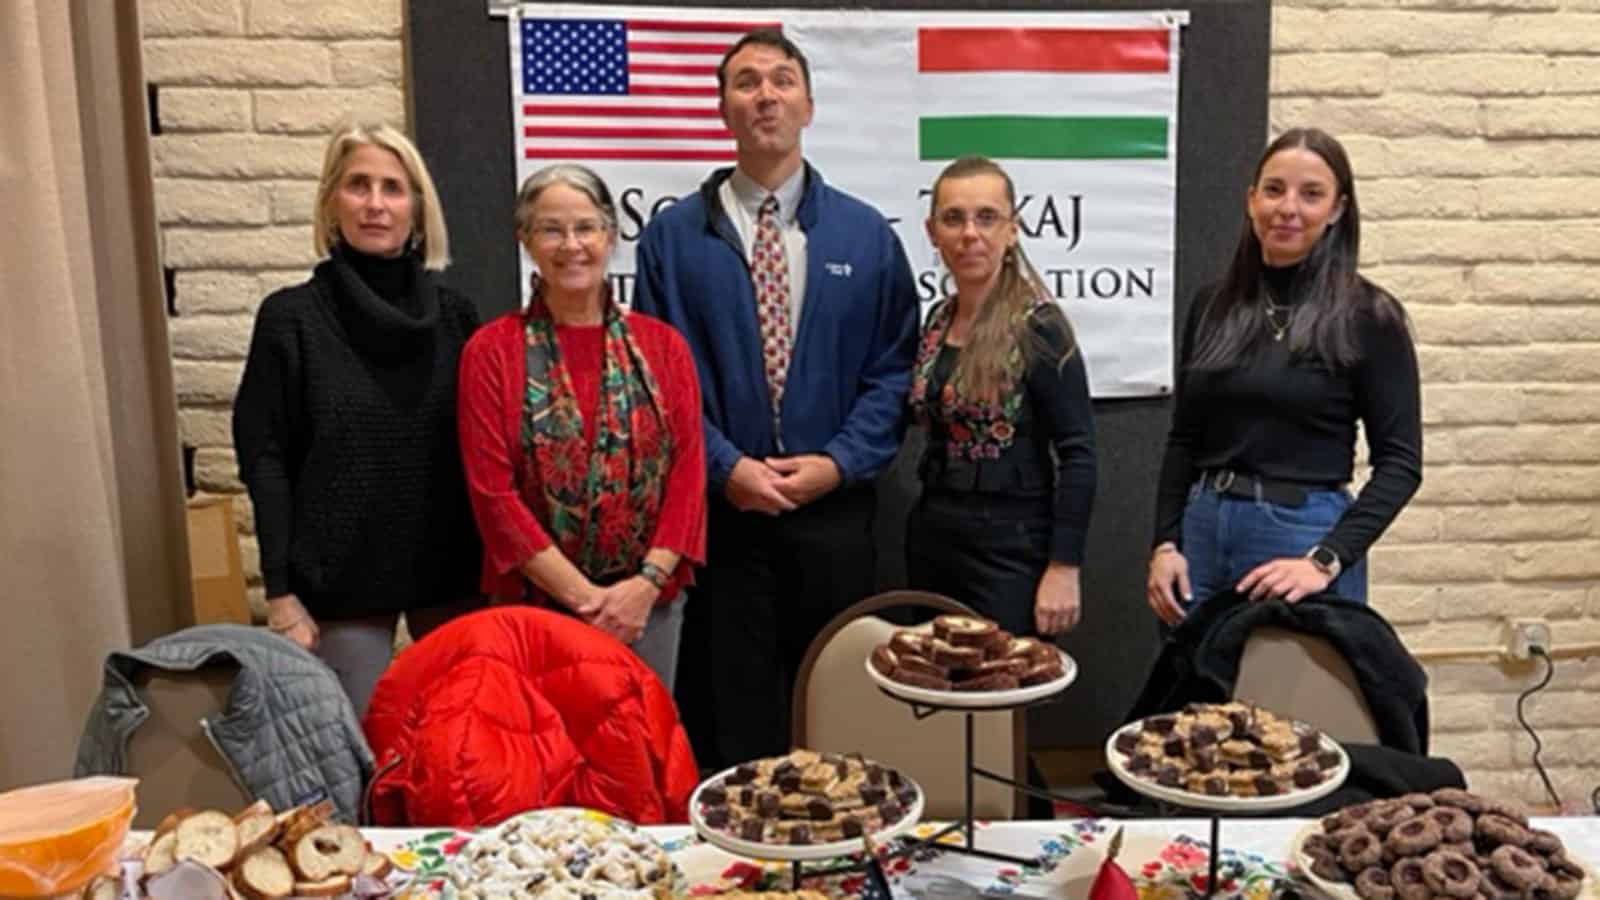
x,y
1080,108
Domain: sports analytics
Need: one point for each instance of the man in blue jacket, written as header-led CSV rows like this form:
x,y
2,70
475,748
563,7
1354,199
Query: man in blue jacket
x,y
799,305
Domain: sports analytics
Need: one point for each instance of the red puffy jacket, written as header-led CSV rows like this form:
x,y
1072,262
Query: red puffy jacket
x,y
516,708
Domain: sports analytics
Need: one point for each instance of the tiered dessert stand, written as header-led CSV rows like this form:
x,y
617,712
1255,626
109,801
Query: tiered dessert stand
x,y
1217,806
925,702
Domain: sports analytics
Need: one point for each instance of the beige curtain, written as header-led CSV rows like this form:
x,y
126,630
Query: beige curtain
x,y
93,553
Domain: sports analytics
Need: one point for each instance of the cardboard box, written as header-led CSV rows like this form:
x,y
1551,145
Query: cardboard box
x,y
214,566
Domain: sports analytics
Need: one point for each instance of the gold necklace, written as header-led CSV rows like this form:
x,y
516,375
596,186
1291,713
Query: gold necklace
x,y
1278,331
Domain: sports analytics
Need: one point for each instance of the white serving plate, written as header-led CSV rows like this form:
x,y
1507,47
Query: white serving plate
x,y
978,699
1337,891
794,852
1230,804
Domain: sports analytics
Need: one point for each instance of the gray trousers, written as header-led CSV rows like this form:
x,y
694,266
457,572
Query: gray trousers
x,y
359,650
658,645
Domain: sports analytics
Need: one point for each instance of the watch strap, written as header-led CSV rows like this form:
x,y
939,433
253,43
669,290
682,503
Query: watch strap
x,y
654,574
1325,560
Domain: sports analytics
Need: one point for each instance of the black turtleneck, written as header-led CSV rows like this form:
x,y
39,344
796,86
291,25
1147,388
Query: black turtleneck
x,y
1294,420
390,277
345,429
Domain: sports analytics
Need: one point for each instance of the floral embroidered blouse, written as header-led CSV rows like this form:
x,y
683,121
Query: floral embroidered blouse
x,y
1044,448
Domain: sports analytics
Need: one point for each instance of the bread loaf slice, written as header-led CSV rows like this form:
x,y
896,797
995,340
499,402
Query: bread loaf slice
x,y
377,865
208,837
160,856
265,875
302,820
255,831
330,850
330,887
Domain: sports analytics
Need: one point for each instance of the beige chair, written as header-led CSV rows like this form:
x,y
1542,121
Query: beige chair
x,y
837,707
170,754
1305,676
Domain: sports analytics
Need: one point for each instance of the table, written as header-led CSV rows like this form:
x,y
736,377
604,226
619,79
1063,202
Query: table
x,y
1167,858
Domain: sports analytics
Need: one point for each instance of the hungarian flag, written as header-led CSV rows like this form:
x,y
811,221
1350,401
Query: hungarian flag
x,y
978,92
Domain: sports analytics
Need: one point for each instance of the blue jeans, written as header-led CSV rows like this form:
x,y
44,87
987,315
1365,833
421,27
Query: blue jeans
x,y
1225,537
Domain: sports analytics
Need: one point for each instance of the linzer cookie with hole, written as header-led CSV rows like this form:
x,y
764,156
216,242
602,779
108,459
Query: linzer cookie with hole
x,y
966,654
805,798
1225,750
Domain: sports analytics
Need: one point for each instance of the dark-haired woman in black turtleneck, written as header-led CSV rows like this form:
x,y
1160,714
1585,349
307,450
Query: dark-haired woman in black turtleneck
x,y
345,420
1278,364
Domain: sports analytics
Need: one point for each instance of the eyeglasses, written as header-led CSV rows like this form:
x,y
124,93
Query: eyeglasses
x,y
554,234
986,219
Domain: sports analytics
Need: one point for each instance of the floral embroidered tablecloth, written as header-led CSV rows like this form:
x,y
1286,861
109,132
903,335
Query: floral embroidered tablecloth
x,y
1167,859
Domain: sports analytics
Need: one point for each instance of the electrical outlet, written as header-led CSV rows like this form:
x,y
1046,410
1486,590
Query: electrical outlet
x,y
1523,635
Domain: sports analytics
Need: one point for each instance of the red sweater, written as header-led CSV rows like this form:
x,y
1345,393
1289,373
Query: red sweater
x,y
493,378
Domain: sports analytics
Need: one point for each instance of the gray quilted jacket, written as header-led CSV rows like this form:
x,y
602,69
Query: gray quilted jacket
x,y
289,732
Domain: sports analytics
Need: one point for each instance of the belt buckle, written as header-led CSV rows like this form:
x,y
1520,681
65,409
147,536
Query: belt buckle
x,y
1222,480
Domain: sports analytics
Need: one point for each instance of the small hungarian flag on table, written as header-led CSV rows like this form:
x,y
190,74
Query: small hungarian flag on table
x,y
1111,883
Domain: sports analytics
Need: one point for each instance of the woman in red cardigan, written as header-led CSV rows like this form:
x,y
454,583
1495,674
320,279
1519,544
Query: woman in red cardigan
x,y
581,436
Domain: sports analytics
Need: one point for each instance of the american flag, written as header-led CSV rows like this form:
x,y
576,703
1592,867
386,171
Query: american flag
x,y
634,89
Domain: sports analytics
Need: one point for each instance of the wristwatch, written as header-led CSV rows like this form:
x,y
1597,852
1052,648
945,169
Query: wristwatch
x,y
1326,561
654,574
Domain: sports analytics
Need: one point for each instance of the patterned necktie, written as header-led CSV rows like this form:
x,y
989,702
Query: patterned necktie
x,y
769,267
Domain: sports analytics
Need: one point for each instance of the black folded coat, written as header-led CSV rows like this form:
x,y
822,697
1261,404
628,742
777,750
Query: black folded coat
x,y
1199,661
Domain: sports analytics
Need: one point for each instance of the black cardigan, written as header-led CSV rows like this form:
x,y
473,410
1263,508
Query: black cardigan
x,y
345,429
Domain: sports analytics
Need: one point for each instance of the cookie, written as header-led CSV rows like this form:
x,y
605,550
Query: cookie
x,y
1415,836
909,642
1360,850
885,660
920,679
1450,874
995,681
1408,881
1373,884
1042,673
964,631
954,656
1517,867
910,662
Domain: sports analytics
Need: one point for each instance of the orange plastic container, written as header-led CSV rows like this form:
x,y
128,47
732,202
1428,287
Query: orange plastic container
x,y
54,838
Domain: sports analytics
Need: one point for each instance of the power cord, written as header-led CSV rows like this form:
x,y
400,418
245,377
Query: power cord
x,y
1538,745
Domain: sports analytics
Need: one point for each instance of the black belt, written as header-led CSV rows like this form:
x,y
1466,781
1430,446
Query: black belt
x,y
1248,487
1018,472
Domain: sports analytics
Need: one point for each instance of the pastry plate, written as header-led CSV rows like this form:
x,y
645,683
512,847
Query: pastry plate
x,y
1190,799
978,699
1336,891
423,864
794,852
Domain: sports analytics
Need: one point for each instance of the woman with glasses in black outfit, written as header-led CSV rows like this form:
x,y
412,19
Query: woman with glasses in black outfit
x,y
1009,471
1279,362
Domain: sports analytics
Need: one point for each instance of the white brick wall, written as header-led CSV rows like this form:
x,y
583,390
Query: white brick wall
x,y
248,92
1474,126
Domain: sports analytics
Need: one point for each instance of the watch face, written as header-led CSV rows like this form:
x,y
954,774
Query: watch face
x,y
1324,557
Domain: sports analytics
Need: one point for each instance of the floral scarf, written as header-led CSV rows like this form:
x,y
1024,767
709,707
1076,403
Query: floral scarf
x,y
979,430
599,504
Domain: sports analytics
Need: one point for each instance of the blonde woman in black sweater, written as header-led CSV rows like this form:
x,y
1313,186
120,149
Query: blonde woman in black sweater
x,y
345,420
